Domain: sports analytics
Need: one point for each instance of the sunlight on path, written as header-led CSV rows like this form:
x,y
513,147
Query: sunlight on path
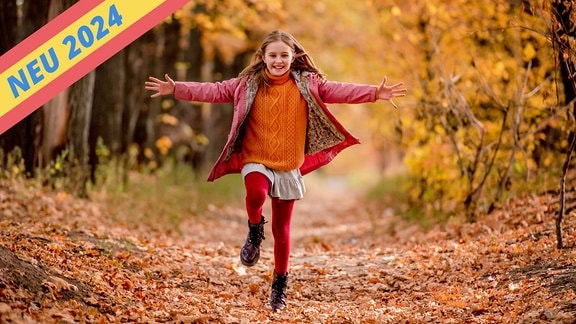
x,y
331,210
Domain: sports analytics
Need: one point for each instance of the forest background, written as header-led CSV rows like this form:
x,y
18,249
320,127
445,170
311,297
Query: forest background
x,y
105,214
487,117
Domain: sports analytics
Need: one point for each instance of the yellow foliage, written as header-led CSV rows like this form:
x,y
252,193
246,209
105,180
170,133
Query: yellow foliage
x,y
201,139
529,53
164,144
463,57
148,153
169,119
465,64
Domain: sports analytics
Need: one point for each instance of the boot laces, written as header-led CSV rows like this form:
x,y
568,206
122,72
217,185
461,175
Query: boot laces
x,y
256,233
279,289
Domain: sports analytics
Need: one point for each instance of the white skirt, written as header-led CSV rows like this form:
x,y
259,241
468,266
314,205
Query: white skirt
x,y
286,185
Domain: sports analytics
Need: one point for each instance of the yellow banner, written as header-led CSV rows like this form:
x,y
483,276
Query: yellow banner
x,y
69,47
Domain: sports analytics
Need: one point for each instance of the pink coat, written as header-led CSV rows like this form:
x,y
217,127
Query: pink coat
x,y
325,137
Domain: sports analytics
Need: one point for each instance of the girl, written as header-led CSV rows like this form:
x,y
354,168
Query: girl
x,y
281,130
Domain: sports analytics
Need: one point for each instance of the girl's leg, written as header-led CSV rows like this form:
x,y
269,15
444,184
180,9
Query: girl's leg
x,y
257,187
281,219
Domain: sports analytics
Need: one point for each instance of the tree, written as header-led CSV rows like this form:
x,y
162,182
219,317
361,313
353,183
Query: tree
x,y
81,103
9,27
24,134
563,32
481,75
55,113
108,109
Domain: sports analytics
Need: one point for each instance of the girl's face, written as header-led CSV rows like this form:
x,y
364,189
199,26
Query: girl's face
x,y
278,57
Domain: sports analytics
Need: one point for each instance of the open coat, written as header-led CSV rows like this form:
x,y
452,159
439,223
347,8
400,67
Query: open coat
x,y
325,136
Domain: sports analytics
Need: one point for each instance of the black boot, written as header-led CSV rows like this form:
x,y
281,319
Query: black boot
x,y
250,252
278,296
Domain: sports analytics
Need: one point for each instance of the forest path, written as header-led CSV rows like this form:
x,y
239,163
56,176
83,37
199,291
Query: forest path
x,y
68,260
339,270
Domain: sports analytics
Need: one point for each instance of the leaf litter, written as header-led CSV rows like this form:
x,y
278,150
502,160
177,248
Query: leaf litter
x,y
69,260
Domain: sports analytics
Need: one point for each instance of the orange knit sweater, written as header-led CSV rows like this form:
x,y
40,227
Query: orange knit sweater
x,y
276,126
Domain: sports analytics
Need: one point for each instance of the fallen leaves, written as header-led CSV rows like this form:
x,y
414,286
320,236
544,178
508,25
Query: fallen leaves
x,y
64,259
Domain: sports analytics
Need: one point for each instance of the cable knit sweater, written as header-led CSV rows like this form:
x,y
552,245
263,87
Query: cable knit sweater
x,y
276,126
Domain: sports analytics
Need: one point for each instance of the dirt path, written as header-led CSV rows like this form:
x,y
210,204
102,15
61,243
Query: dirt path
x,y
338,272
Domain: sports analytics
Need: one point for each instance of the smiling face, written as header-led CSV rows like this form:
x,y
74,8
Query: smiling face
x,y
278,57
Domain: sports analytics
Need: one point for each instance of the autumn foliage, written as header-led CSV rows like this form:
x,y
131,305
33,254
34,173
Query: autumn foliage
x,y
474,154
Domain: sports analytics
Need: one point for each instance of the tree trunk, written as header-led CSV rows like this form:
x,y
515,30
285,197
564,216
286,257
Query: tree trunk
x,y
24,134
171,55
152,45
81,98
194,57
140,63
55,113
108,108
34,16
563,34
9,25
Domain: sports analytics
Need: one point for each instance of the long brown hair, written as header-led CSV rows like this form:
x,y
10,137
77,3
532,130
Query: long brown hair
x,y
302,61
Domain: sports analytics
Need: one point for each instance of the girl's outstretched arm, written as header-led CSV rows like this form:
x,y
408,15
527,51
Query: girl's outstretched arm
x,y
161,87
388,93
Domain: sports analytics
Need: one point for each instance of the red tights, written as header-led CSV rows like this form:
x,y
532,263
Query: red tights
x,y
257,187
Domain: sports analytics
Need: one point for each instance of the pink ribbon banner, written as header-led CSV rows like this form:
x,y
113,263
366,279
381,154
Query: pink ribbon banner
x,y
70,46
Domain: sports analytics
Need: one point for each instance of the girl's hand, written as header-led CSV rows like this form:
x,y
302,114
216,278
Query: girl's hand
x,y
389,92
161,87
